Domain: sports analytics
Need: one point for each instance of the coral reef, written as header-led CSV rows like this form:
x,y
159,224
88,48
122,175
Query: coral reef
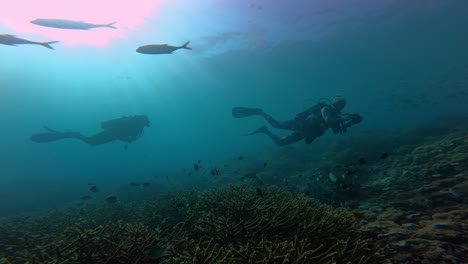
x,y
421,215
230,225
241,226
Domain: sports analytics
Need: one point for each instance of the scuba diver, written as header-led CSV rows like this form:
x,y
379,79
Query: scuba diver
x,y
308,125
126,129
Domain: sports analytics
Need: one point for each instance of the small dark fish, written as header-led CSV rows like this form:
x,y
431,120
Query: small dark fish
x,y
12,40
259,191
161,48
167,177
253,175
344,186
156,253
69,24
300,175
362,161
384,172
349,172
307,192
459,195
86,197
265,164
384,156
196,167
250,175
146,184
111,199
180,205
134,184
94,189
240,158
189,174
215,172
199,161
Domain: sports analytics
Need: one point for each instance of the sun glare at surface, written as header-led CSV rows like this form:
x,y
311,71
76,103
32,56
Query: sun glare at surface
x,y
17,15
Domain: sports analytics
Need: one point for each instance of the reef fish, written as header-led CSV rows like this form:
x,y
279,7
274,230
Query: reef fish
x,y
161,48
157,252
111,199
12,40
69,24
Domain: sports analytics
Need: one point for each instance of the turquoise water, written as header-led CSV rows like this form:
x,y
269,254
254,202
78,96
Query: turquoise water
x,y
398,64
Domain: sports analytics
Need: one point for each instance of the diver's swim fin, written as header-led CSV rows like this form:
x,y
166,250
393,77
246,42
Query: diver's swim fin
x,y
239,112
262,129
52,136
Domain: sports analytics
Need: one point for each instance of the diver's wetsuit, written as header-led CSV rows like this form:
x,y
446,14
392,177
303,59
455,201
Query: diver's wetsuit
x,y
126,129
307,125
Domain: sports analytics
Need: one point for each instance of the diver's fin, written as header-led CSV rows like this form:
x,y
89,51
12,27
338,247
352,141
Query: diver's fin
x,y
239,112
50,129
262,129
49,137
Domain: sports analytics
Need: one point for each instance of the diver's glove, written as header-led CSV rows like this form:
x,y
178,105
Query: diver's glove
x,y
340,127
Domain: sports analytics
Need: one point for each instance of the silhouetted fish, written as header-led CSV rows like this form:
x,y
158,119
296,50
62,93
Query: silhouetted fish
x,y
215,172
133,184
384,156
69,24
86,197
94,189
111,199
161,48
12,40
259,191
156,253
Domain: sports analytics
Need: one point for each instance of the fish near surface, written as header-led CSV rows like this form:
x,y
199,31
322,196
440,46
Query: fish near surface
x,y
69,24
12,40
161,48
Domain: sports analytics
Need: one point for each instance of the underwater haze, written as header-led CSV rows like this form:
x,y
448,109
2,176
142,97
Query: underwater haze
x,y
399,64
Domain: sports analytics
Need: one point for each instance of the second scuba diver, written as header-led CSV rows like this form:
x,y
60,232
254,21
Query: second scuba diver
x,y
126,129
308,125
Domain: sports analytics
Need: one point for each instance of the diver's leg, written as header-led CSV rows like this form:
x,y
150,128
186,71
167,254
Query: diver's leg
x,y
280,141
289,124
98,139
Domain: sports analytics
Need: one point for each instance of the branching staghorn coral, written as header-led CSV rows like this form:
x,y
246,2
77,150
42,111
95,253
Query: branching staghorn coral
x,y
111,243
277,227
230,225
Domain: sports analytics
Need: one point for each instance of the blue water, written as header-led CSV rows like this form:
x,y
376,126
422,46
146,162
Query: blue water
x,y
398,64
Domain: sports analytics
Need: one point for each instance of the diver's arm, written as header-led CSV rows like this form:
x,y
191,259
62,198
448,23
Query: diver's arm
x,y
332,119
